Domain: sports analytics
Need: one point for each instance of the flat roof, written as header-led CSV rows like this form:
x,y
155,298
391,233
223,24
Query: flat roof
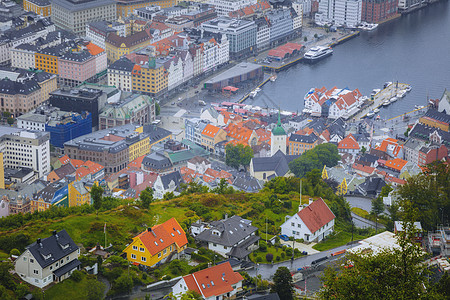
x,y
238,70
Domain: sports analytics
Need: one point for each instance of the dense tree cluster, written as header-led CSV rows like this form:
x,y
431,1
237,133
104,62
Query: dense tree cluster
x,y
323,154
238,155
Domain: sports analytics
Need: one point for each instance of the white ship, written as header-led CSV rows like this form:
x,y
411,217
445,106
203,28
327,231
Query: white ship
x,y
317,53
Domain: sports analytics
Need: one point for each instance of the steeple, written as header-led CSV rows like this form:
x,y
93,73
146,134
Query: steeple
x,y
278,129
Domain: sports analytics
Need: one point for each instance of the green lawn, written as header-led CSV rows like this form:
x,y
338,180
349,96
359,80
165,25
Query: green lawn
x,y
339,239
69,289
360,212
275,251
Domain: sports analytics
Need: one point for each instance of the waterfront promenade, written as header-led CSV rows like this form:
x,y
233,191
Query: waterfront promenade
x,y
380,97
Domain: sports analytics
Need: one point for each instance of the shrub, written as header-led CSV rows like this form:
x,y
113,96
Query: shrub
x,y
289,252
262,246
199,257
14,252
269,257
283,255
296,251
277,258
259,259
76,276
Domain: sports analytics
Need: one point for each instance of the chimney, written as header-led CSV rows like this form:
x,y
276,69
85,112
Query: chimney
x,y
150,230
38,241
54,232
300,207
226,216
310,201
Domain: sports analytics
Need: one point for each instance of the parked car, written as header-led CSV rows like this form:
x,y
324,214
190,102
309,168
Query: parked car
x,y
284,237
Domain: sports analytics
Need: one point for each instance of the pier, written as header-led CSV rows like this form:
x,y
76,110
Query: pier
x,y
385,94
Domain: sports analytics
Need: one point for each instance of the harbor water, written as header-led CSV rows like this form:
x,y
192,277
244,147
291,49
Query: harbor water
x,y
413,49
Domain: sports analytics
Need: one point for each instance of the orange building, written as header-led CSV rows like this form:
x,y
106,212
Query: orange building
x,y
126,7
46,61
40,7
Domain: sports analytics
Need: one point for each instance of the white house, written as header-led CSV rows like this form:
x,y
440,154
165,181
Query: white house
x,y
52,259
199,164
215,283
312,223
166,183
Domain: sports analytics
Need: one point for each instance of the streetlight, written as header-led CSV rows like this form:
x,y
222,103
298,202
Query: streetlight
x,y
257,265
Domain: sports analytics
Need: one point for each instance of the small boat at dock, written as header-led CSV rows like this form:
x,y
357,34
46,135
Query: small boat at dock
x,y
254,93
376,110
273,78
386,102
393,99
374,92
370,114
408,88
419,106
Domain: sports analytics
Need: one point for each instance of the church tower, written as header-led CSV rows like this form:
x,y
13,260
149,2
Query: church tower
x,y
278,138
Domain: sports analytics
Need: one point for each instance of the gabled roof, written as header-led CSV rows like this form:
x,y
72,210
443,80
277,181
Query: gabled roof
x,y
316,215
52,248
213,281
349,142
307,139
396,164
231,231
279,163
211,130
64,170
167,178
161,236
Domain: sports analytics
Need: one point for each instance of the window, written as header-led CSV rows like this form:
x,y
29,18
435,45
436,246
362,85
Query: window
x,y
67,258
159,254
143,258
31,260
292,224
141,249
165,251
36,271
51,268
299,225
133,256
135,247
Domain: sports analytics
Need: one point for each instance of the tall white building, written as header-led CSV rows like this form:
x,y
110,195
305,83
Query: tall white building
x,y
223,7
345,13
25,148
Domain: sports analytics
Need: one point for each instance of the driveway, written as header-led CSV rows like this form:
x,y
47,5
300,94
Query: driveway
x,y
301,246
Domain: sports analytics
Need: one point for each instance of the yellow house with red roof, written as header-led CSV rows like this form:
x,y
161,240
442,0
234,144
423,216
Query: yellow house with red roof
x,y
157,243
212,135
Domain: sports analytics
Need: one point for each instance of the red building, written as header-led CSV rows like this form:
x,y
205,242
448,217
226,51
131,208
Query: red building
x,y
375,11
432,153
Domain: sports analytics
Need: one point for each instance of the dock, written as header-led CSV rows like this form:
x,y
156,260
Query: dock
x,y
385,94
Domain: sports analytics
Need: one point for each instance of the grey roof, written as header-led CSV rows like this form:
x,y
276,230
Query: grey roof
x,y
52,246
25,87
241,251
372,185
309,139
422,132
436,115
399,225
238,70
174,176
156,160
232,231
247,184
368,158
122,64
414,144
49,191
79,5
78,56
279,163
40,2
156,133
271,296
67,268
65,170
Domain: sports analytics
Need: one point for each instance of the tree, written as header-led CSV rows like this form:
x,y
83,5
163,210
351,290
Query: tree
x,y
6,114
429,193
97,197
316,35
282,284
269,257
390,273
157,109
123,284
363,150
146,197
10,121
191,295
407,132
95,290
222,187
377,209
15,252
238,155
305,39
324,154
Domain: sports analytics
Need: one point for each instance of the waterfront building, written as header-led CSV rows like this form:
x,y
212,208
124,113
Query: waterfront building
x,y
62,125
278,138
282,25
73,15
262,33
97,31
117,46
238,74
240,33
25,148
409,5
375,11
40,7
80,100
345,13
48,260
119,74
224,7
135,109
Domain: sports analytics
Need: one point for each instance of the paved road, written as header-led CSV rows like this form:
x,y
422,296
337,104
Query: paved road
x,y
364,223
363,203
267,271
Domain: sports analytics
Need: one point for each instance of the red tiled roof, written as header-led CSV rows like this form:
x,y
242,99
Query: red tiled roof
x,y
81,172
76,163
363,168
396,163
64,160
316,215
349,142
137,162
213,281
210,130
162,236
94,49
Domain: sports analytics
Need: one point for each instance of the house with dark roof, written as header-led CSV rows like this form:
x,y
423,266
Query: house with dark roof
x,y
311,223
48,260
299,143
230,237
265,168
371,187
156,162
166,183
247,184
217,282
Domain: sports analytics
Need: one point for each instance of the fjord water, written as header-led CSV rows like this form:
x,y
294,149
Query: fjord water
x,y
413,49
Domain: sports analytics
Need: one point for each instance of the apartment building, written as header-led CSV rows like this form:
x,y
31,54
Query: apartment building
x,y
119,74
345,13
117,46
73,15
97,31
40,7
25,148
224,7
126,7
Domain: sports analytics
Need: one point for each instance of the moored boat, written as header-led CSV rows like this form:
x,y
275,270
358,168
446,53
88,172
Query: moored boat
x,y
318,52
